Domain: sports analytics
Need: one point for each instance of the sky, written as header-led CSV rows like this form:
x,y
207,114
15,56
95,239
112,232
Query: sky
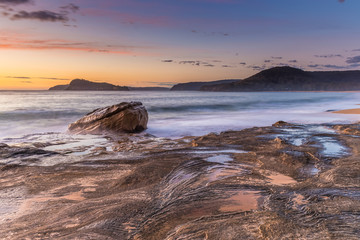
x,y
163,42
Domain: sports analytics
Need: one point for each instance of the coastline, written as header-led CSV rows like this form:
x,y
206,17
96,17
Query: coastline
x,y
261,182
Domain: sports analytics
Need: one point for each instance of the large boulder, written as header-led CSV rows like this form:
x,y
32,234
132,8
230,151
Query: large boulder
x,y
126,117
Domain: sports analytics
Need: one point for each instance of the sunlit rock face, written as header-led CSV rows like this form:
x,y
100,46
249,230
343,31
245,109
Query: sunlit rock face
x,y
126,117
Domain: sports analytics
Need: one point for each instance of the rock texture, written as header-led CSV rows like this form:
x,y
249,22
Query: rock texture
x,y
278,182
292,79
124,117
84,85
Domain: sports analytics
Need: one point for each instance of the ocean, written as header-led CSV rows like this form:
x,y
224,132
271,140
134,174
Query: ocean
x,y
172,114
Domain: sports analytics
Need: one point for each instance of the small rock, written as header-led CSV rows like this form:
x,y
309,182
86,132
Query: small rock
x,y
281,123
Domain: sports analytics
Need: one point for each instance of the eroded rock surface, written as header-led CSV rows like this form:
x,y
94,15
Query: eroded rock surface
x,y
124,117
279,182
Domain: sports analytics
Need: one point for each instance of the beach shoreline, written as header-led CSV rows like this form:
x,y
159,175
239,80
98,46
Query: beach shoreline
x,y
348,111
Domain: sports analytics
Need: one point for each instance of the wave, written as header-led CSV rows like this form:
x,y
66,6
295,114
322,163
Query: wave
x,y
22,114
238,105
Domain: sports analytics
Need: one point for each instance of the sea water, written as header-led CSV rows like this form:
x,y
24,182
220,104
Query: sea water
x,y
172,113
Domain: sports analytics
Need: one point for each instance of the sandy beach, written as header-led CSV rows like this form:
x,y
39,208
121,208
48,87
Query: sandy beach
x,y
349,111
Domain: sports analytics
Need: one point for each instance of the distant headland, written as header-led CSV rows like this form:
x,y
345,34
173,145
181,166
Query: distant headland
x,y
273,79
292,79
85,85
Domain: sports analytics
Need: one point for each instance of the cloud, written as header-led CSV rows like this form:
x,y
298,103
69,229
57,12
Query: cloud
x,y
211,33
14,2
45,16
167,61
61,44
355,59
46,78
293,61
328,56
332,66
70,8
257,68
267,61
41,15
314,65
356,50
197,63
18,77
242,63
276,57
227,66
341,1
26,81
50,78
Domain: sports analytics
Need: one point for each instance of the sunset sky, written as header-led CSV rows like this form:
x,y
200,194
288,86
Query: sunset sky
x,y
163,42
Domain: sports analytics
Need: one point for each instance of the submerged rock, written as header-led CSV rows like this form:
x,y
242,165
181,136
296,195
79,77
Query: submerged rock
x,y
126,117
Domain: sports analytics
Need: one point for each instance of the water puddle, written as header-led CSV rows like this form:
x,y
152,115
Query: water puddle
x,y
322,130
219,173
220,159
310,170
298,141
280,179
331,147
218,151
241,201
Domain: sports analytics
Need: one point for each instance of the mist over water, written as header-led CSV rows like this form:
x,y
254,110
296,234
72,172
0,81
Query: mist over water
x,y
173,114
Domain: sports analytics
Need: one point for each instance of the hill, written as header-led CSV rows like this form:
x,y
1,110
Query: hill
x,y
292,79
84,85
196,86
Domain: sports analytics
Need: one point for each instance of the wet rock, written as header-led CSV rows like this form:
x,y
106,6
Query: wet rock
x,y
9,167
281,123
3,145
22,152
126,117
234,185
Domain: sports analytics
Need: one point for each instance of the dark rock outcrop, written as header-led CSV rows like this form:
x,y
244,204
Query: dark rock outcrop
x,y
22,152
84,85
126,117
196,86
292,79
59,87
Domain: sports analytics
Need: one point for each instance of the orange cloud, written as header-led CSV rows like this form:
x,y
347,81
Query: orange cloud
x,y
60,44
